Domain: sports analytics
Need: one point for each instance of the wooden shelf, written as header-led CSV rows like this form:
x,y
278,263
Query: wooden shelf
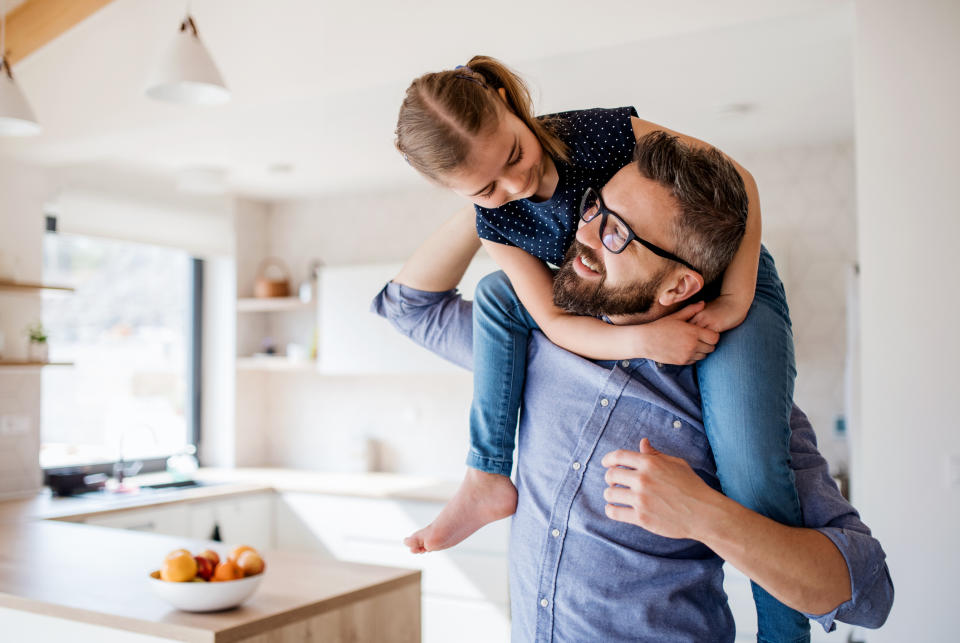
x,y
23,287
275,363
272,304
25,364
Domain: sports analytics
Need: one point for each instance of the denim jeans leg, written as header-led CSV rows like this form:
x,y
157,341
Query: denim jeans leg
x,y
746,386
501,330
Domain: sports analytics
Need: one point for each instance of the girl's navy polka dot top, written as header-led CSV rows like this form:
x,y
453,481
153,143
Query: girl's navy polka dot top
x,y
601,142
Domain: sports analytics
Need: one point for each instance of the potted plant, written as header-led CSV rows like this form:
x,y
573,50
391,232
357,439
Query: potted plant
x,y
38,350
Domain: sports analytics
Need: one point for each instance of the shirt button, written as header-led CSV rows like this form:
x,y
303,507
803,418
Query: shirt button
x,y
677,424
625,364
555,533
659,365
604,402
576,466
543,602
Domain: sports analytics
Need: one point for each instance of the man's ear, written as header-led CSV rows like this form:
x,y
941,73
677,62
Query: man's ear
x,y
680,286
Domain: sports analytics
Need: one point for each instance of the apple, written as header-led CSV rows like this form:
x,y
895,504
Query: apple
x,y
204,567
250,562
235,554
213,556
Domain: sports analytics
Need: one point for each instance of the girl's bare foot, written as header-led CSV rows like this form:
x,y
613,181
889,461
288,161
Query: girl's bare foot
x,y
481,499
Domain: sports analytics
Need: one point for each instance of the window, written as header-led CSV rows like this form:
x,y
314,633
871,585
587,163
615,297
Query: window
x,y
129,330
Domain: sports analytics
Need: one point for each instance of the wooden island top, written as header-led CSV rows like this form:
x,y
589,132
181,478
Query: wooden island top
x,y
53,567
98,575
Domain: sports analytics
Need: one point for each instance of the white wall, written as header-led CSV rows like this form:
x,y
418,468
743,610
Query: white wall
x,y
22,195
809,223
807,196
908,137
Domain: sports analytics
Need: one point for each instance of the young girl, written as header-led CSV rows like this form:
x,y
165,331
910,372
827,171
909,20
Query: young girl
x,y
472,130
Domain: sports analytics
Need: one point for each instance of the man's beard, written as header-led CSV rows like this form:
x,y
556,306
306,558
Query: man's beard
x,y
582,297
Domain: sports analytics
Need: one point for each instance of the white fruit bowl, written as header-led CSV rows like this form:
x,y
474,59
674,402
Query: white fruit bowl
x,y
205,597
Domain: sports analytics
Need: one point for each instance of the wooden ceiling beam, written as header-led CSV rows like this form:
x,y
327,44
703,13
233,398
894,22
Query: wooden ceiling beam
x,y
36,22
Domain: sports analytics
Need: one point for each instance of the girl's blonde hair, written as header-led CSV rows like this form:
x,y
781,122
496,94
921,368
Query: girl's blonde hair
x,y
443,111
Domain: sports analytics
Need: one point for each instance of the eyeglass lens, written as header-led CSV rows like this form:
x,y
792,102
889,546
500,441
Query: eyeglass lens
x,y
615,235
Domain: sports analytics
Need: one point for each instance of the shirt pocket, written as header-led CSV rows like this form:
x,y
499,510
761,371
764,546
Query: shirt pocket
x,y
668,432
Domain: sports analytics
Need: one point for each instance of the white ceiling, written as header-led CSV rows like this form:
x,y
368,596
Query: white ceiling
x,y
317,85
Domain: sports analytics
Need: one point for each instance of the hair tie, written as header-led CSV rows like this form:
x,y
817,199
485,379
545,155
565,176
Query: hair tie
x,y
406,158
470,78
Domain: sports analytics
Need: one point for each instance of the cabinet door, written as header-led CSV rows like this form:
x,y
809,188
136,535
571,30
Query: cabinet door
x,y
239,520
171,521
354,341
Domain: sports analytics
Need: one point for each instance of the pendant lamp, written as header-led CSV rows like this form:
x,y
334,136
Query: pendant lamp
x,y
187,73
16,117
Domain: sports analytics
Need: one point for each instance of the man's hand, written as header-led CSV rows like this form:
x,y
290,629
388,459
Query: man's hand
x,y
662,494
674,339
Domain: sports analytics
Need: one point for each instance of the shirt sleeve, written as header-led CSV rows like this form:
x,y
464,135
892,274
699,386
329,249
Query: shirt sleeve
x,y
486,228
441,322
827,511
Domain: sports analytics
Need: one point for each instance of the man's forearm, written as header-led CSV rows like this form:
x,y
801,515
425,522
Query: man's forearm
x,y
662,494
800,567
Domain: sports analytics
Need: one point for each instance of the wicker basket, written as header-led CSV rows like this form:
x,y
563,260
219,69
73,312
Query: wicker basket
x,y
264,286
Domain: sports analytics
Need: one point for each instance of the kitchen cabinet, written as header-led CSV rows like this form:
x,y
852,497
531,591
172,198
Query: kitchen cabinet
x,y
466,584
171,520
354,341
240,520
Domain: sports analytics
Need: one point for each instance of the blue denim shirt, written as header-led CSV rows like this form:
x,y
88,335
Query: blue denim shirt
x,y
576,575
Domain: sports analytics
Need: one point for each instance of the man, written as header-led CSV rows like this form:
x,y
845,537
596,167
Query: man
x,y
620,527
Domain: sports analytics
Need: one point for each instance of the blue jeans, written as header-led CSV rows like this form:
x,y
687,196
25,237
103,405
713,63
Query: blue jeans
x,y
747,394
746,389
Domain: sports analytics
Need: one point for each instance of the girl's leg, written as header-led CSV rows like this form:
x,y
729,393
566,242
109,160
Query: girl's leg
x,y
501,329
746,386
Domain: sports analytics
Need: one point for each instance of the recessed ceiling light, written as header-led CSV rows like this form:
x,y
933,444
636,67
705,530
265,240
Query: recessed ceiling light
x,y
738,109
202,180
280,168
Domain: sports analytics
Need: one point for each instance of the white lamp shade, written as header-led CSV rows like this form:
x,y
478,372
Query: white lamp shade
x,y
16,117
187,74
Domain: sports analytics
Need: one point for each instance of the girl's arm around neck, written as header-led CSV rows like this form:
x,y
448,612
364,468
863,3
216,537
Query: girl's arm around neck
x,y
671,339
740,279
439,262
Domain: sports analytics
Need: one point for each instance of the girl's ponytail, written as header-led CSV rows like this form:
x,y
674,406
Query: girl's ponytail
x,y
443,111
498,75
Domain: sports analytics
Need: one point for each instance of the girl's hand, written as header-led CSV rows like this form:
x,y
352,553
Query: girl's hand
x,y
723,313
674,339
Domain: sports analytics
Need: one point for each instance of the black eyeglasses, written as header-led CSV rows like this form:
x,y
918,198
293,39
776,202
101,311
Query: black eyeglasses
x,y
615,234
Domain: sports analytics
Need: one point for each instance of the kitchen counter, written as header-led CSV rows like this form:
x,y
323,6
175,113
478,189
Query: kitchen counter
x,y
98,576
227,482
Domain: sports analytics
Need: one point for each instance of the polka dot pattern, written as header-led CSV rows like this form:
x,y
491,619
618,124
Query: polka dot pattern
x,y
601,142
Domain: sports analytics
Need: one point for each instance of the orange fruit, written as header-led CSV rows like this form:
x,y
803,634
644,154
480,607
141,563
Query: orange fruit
x,y
179,567
227,570
235,554
176,552
250,562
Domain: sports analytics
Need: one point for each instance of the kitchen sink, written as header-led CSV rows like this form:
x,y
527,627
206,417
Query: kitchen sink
x,y
136,496
175,484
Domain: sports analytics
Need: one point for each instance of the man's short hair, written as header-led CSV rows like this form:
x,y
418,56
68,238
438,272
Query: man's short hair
x,y
713,201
